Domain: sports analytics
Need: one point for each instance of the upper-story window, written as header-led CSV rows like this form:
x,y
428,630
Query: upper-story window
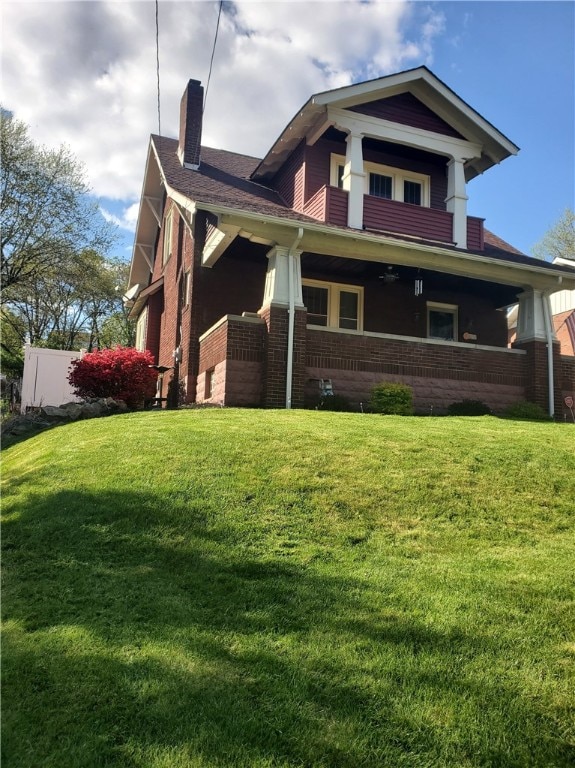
x,y
333,305
387,182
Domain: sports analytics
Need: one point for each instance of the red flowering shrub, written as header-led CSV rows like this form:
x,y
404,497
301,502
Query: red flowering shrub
x,y
122,373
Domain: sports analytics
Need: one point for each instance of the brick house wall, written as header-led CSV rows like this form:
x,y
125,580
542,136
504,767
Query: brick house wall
x,y
275,357
439,373
231,362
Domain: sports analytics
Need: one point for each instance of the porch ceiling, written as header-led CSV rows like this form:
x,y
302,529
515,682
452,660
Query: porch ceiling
x,y
315,265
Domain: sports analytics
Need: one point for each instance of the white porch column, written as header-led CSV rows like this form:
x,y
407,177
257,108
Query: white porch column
x,y
456,200
354,180
280,262
531,316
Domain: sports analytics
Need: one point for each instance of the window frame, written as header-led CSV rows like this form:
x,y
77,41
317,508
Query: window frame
x,y
141,330
167,242
186,279
209,383
398,177
453,309
334,304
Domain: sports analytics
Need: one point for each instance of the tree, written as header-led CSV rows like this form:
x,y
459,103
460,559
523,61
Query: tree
x,y
559,242
45,212
67,307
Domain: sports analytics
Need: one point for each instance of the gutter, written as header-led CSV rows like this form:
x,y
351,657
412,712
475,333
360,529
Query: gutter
x,y
291,318
363,236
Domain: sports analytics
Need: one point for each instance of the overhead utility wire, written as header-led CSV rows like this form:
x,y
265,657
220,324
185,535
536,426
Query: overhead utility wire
x,y
212,58
158,68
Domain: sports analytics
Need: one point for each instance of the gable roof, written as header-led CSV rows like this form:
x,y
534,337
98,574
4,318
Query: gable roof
x,y
312,119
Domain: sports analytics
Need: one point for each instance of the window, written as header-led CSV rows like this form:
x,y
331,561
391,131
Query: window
x,y
167,250
210,383
412,192
316,300
383,181
185,288
141,327
381,186
442,321
333,305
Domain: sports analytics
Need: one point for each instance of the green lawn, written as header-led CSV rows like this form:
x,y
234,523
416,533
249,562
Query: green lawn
x,y
245,589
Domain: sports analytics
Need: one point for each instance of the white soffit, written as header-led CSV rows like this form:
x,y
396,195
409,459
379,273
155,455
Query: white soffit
x,y
147,224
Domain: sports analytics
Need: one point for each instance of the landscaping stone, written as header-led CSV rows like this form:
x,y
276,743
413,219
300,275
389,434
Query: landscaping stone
x,y
51,416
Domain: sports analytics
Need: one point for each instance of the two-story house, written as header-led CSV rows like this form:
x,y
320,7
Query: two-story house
x,y
344,255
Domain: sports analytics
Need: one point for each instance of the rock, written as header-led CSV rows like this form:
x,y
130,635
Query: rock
x,y
92,410
54,412
73,410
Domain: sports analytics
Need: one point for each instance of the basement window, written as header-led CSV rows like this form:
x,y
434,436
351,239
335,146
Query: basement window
x,y
442,321
210,383
333,305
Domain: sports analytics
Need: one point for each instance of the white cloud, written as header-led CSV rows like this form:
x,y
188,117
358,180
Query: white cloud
x,y
84,73
127,220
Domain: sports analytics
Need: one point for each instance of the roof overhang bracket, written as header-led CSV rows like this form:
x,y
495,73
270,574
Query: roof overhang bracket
x,y
148,253
155,205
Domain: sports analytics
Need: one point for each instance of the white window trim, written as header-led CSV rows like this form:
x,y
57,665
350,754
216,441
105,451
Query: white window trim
x,y
397,174
186,289
333,303
141,330
167,247
439,307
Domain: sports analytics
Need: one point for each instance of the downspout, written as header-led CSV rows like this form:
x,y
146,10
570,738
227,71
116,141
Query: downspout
x,y
291,318
550,371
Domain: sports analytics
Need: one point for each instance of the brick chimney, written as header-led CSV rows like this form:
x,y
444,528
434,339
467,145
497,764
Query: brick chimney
x,y
191,125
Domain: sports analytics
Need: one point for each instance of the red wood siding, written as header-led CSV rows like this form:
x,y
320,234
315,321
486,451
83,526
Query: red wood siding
x,y
316,206
474,233
406,219
289,180
337,206
407,110
317,164
329,204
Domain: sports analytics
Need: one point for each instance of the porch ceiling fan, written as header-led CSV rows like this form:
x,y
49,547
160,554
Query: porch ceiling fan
x,y
389,276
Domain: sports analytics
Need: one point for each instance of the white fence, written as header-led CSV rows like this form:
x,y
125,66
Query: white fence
x,y
45,380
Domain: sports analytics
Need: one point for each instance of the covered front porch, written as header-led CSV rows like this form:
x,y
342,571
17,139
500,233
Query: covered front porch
x,y
442,332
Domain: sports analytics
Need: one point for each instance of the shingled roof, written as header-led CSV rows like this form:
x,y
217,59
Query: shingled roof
x,y
223,179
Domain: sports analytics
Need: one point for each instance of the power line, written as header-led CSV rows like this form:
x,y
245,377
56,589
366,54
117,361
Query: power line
x,y
158,68
213,51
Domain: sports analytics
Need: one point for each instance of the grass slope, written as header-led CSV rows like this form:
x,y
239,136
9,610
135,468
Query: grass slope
x,y
272,589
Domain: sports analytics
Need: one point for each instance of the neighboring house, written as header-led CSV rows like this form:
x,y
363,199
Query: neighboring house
x,y
344,257
563,312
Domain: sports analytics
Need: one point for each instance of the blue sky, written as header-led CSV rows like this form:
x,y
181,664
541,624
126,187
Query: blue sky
x,y
84,73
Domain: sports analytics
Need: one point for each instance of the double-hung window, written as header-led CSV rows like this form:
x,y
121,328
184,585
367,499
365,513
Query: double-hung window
x,y
385,181
333,305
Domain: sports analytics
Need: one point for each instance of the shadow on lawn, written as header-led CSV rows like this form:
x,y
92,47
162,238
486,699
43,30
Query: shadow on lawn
x,y
141,633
